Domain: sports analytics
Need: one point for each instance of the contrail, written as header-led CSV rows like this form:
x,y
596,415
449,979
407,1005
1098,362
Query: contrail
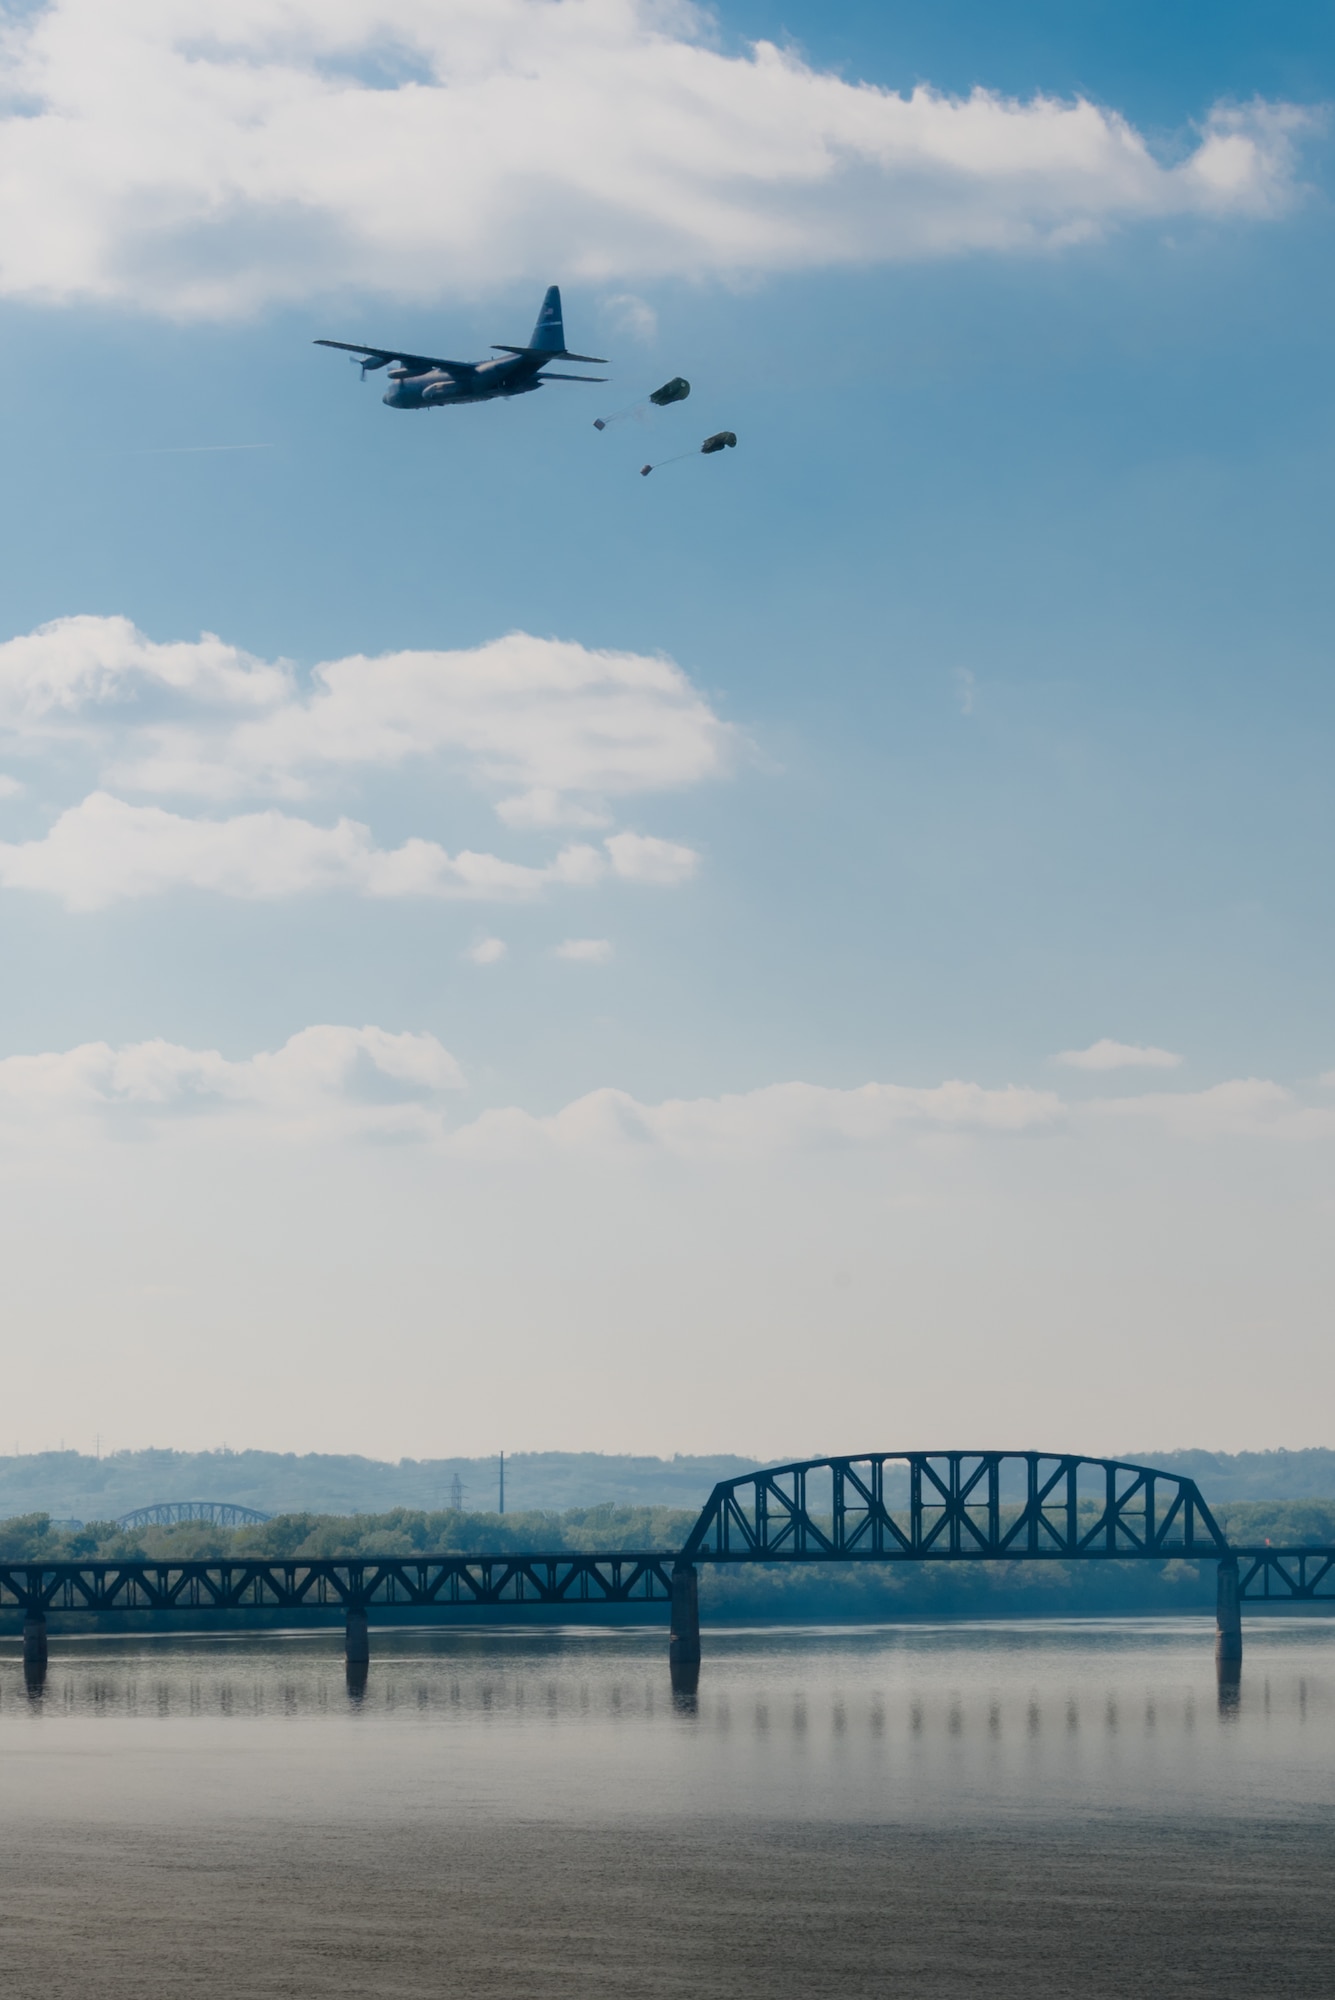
x,y
163,450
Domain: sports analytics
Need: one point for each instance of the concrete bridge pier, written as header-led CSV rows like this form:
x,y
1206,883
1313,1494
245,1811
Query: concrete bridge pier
x,y
684,1640
1228,1618
357,1645
34,1647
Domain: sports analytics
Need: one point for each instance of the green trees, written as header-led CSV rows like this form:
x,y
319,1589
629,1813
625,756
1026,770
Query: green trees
x,y
841,1591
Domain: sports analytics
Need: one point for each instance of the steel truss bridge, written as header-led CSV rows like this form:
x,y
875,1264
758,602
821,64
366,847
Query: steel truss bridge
x,y
254,1584
881,1507
217,1513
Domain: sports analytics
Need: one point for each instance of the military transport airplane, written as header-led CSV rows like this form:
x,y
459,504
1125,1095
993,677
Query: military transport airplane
x,y
422,382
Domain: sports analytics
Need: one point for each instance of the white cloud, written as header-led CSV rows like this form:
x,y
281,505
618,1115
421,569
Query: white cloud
x,y
66,668
212,165
410,1077
556,729
11,788
323,1066
105,851
1107,1055
639,857
1243,1107
359,1080
369,1081
335,1197
488,951
558,726
585,951
632,316
546,807
780,1118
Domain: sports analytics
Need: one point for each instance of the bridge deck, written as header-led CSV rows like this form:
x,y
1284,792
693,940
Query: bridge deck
x,y
623,1577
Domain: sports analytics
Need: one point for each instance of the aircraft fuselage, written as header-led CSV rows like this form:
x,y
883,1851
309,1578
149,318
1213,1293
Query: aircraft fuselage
x,y
514,376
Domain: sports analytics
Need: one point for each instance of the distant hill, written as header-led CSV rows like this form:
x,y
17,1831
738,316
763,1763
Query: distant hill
x,y
1251,1475
67,1485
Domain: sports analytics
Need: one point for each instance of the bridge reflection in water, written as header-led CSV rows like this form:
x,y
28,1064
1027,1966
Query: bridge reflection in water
x,y
881,1507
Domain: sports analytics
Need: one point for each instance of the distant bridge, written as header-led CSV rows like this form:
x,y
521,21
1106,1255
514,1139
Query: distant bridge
x,y
169,1513
883,1507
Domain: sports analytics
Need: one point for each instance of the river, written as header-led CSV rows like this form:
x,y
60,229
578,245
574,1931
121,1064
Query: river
x,y
1029,1809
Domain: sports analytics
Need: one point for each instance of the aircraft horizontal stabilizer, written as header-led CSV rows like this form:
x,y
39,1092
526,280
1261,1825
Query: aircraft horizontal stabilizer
x,y
552,354
549,375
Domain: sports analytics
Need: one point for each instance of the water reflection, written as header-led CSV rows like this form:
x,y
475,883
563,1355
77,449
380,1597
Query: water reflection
x,y
808,1813
685,1683
858,1722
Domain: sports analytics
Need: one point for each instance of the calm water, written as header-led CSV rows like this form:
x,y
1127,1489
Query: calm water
x,y
1037,1810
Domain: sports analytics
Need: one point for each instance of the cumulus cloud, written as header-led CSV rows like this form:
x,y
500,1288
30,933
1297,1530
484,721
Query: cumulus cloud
x,y
639,857
1107,1055
65,669
371,1081
795,1118
487,951
211,166
557,726
1242,1107
552,731
370,1070
585,951
780,1118
359,1080
366,1200
105,851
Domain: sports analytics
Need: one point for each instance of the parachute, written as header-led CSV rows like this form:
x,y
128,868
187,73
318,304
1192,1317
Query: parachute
x,y
720,441
675,391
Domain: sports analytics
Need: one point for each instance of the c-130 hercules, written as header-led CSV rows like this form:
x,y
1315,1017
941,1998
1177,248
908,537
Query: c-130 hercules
x,y
422,382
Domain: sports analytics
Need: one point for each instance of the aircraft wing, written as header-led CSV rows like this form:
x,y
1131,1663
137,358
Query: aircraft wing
x,y
380,357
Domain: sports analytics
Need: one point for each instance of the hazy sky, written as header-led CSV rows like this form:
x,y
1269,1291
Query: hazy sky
x,y
826,947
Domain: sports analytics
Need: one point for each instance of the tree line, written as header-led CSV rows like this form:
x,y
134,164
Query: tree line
x,y
840,1590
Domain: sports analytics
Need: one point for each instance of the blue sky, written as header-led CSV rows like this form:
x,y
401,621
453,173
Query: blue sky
x,y
996,725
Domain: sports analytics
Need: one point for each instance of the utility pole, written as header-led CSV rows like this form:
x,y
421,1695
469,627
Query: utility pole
x,y
502,1507
457,1494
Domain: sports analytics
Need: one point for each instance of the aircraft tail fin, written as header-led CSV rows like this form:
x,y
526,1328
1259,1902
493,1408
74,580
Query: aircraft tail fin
x,y
549,335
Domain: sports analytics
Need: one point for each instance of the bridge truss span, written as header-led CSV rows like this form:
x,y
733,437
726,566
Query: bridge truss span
x,y
961,1506
1302,1574
249,1585
214,1513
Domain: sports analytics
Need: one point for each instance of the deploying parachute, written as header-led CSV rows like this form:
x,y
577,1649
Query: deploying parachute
x,y
720,441
675,391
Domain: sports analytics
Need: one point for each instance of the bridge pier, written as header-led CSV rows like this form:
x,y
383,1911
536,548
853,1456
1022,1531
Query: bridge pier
x,y
1228,1617
357,1641
34,1647
684,1639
